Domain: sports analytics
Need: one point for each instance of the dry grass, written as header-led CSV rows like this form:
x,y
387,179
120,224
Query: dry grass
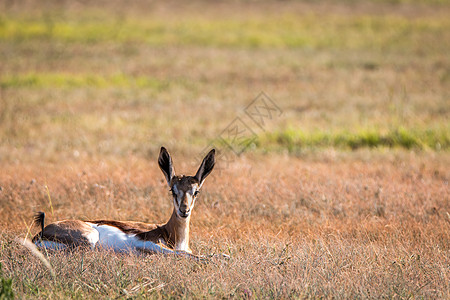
x,y
83,114
343,228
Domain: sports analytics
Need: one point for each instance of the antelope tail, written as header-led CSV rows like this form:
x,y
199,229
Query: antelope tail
x,y
39,219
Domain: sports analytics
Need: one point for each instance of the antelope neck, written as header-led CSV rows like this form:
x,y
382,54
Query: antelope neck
x,y
178,231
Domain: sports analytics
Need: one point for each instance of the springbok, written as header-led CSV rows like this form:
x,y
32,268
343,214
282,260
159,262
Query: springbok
x,y
169,238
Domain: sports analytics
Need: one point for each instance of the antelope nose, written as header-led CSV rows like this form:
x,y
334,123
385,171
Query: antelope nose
x,y
184,208
184,212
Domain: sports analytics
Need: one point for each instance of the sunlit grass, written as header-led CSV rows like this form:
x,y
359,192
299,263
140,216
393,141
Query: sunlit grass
x,y
380,33
62,80
296,140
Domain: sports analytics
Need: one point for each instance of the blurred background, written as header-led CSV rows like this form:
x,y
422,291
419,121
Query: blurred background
x,y
95,79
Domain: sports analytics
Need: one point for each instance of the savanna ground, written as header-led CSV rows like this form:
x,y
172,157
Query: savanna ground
x,y
342,193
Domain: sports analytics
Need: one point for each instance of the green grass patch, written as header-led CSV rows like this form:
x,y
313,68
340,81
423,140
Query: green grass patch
x,y
6,291
287,31
295,140
64,80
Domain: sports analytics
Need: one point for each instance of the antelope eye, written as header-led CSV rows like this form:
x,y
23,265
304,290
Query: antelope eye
x,y
196,193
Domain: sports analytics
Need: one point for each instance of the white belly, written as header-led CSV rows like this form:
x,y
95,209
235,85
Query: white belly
x,y
115,239
112,238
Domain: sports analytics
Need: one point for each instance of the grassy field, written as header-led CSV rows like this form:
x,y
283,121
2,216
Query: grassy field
x,y
341,192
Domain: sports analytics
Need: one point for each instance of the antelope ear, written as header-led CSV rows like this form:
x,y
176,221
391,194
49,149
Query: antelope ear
x,y
165,164
206,167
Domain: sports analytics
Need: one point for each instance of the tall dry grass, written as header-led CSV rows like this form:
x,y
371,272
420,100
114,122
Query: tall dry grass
x,y
293,228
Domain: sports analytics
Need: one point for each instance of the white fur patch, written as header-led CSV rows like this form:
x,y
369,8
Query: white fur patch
x,y
175,189
182,245
93,238
113,238
193,190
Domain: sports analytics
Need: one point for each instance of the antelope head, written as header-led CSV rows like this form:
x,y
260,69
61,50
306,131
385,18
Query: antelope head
x,y
185,189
